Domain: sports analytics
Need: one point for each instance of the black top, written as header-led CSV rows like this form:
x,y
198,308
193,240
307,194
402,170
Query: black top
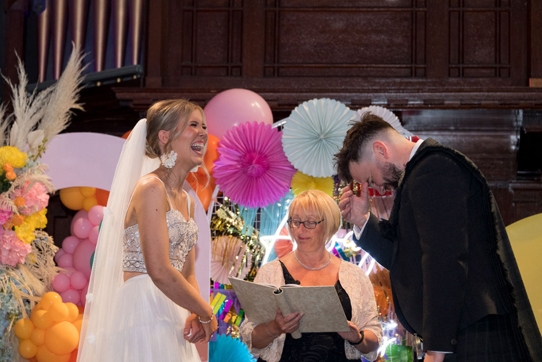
x,y
317,347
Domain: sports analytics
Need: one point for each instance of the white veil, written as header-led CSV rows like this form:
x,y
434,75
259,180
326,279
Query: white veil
x,y
107,272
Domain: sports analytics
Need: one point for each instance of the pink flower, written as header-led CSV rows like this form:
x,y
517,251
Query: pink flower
x,y
5,215
12,249
35,198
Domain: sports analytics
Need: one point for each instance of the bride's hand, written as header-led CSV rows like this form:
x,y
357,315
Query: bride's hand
x,y
193,331
209,329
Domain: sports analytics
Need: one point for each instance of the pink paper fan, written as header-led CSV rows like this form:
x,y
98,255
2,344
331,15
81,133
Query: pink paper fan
x,y
252,169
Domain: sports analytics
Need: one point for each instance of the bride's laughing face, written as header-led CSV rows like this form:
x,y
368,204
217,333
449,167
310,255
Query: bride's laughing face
x,y
190,144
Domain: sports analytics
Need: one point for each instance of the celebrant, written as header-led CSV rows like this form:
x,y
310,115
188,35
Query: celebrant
x,y
314,218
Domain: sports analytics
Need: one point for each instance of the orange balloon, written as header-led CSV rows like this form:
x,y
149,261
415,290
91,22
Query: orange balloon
x,y
211,155
78,324
23,328
48,299
62,338
41,319
102,196
27,349
125,136
198,181
73,357
73,312
38,336
44,355
72,198
58,311
33,359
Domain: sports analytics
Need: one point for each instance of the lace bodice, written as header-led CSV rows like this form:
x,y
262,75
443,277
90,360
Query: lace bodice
x,y
182,238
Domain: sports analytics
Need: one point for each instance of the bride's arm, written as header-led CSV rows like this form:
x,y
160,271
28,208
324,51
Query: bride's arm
x,y
150,204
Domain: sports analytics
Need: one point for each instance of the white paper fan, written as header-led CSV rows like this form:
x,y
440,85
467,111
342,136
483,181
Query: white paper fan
x,y
387,116
314,133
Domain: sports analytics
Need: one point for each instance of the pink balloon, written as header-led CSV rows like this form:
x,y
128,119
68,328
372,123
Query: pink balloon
x,y
58,254
96,214
69,244
82,255
61,283
81,228
78,280
69,271
84,295
93,235
80,214
65,261
233,107
71,296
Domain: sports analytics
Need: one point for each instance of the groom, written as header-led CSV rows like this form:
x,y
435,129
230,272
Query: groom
x,y
454,277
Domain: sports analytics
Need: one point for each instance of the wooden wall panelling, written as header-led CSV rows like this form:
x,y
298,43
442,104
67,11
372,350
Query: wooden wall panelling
x,y
535,32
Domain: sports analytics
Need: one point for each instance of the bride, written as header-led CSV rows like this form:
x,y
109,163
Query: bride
x,y
143,302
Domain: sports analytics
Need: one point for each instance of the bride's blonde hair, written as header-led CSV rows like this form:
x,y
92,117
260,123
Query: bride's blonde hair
x,y
167,115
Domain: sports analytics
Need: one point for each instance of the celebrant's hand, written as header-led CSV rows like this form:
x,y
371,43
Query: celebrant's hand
x,y
290,323
355,209
353,335
193,330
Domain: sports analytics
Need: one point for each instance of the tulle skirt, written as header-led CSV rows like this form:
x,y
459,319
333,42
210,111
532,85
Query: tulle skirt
x,y
148,326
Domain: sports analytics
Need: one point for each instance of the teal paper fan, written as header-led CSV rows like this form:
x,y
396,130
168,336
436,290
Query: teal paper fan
x,y
228,349
314,133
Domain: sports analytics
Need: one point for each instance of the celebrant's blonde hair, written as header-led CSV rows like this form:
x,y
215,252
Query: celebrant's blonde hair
x,y
322,205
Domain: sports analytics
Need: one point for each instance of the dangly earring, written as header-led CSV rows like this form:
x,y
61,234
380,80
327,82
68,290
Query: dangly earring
x,y
168,160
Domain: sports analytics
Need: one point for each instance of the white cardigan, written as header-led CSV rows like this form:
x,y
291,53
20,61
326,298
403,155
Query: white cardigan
x,y
364,312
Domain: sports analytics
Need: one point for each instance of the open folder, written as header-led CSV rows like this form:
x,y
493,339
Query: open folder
x,y
321,307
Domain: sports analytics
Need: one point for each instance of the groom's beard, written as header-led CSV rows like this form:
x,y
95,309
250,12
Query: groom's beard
x,y
391,175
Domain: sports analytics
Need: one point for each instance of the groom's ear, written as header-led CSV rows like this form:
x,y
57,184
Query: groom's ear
x,y
163,136
381,152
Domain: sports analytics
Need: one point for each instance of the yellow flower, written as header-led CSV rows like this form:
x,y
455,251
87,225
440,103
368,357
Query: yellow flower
x,y
302,182
25,232
13,156
38,220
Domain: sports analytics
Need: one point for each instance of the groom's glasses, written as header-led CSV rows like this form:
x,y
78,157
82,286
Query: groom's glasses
x,y
306,224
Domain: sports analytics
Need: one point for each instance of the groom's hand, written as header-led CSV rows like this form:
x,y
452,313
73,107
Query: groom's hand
x,y
355,209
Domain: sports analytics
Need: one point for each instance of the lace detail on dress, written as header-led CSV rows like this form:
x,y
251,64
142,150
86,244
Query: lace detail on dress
x,y
182,238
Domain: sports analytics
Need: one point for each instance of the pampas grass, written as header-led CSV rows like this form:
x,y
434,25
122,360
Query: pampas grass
x,y
40,116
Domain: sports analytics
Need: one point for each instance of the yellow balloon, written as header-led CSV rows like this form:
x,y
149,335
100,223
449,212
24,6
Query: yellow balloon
x,y
88,191
23,328
44,355
42,320
48,299
58,311
62,338
89,203
38,336
27,349
73,312
72,198
526,239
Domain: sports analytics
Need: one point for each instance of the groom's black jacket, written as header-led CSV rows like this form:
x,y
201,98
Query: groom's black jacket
x,y
448,252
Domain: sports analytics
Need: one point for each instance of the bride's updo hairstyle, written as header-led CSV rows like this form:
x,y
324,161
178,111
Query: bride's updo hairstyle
x,y
167,115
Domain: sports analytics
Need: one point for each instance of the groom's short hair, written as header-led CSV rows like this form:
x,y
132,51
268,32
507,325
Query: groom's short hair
x,y
357,137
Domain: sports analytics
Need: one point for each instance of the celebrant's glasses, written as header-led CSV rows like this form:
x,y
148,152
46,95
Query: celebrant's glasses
x,y
306,224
